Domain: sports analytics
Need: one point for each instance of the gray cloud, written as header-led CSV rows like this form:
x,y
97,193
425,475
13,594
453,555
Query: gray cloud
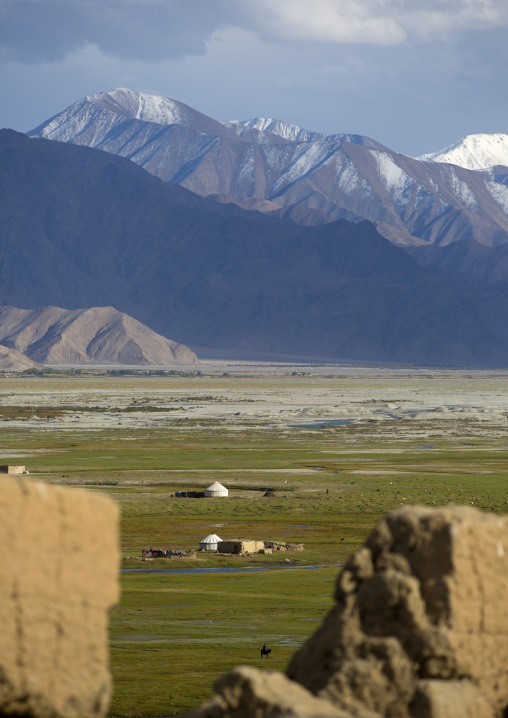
x,y
47,30
153,30
371,22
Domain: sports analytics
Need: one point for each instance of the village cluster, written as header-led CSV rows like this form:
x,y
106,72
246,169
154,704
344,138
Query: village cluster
x,y
214,542
232,546
209,543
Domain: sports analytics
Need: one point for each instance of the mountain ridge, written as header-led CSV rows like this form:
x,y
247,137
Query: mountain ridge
x,y
339,176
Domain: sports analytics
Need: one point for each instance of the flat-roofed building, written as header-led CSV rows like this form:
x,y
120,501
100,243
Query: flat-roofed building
x,y
240,546
11,469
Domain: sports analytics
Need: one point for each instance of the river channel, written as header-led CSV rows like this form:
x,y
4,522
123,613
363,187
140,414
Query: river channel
x,y
230,569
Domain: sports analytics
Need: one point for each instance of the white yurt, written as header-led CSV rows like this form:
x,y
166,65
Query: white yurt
x,y
215,490
210,543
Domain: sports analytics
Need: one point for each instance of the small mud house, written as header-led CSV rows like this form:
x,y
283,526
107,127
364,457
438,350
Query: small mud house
x,y
216,490
210,543
240,546
12,470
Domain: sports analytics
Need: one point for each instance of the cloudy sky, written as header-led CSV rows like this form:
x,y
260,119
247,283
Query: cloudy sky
x,y
416,75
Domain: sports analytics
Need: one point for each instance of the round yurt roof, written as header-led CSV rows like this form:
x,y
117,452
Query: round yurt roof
x,y
216,487
212,538
216,490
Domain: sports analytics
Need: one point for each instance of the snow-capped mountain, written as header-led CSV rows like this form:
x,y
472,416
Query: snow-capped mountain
x,y
339,176
474,152
128,105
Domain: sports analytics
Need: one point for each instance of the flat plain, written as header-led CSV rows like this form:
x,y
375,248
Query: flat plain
x,y
338,446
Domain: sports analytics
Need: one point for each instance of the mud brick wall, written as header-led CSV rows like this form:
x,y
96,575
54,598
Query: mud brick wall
x,y
59,562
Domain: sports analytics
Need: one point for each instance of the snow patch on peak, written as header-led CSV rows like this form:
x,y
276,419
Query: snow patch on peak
x,y
474,152
499,193
463,192
348,178
307,161
140,106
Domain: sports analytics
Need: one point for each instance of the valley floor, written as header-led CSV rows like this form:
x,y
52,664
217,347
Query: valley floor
x,y
338,446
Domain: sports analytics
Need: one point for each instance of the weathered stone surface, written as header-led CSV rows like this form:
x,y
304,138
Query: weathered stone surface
x,y
250,693
58,576
449,699
421,607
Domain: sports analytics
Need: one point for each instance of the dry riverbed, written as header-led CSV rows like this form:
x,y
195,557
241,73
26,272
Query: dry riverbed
x,y
417,403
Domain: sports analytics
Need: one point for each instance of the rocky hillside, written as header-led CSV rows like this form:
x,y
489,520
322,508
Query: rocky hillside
x,y
338,176
12,360
101,335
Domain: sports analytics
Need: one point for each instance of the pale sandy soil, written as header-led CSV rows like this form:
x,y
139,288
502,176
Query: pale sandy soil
x,y
383,402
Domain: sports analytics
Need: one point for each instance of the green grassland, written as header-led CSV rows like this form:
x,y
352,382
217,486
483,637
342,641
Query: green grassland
x,y
172,635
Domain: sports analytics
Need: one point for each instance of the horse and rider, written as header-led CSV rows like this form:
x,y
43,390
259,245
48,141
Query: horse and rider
x,y
265,651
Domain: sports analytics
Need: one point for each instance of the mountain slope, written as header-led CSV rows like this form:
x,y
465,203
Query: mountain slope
x,y
485,264
340,176
76,223
51,335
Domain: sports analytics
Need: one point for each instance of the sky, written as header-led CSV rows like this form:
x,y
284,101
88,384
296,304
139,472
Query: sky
x,y
416,75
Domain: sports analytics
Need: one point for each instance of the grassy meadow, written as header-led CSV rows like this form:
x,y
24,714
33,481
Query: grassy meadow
x,y
173,634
